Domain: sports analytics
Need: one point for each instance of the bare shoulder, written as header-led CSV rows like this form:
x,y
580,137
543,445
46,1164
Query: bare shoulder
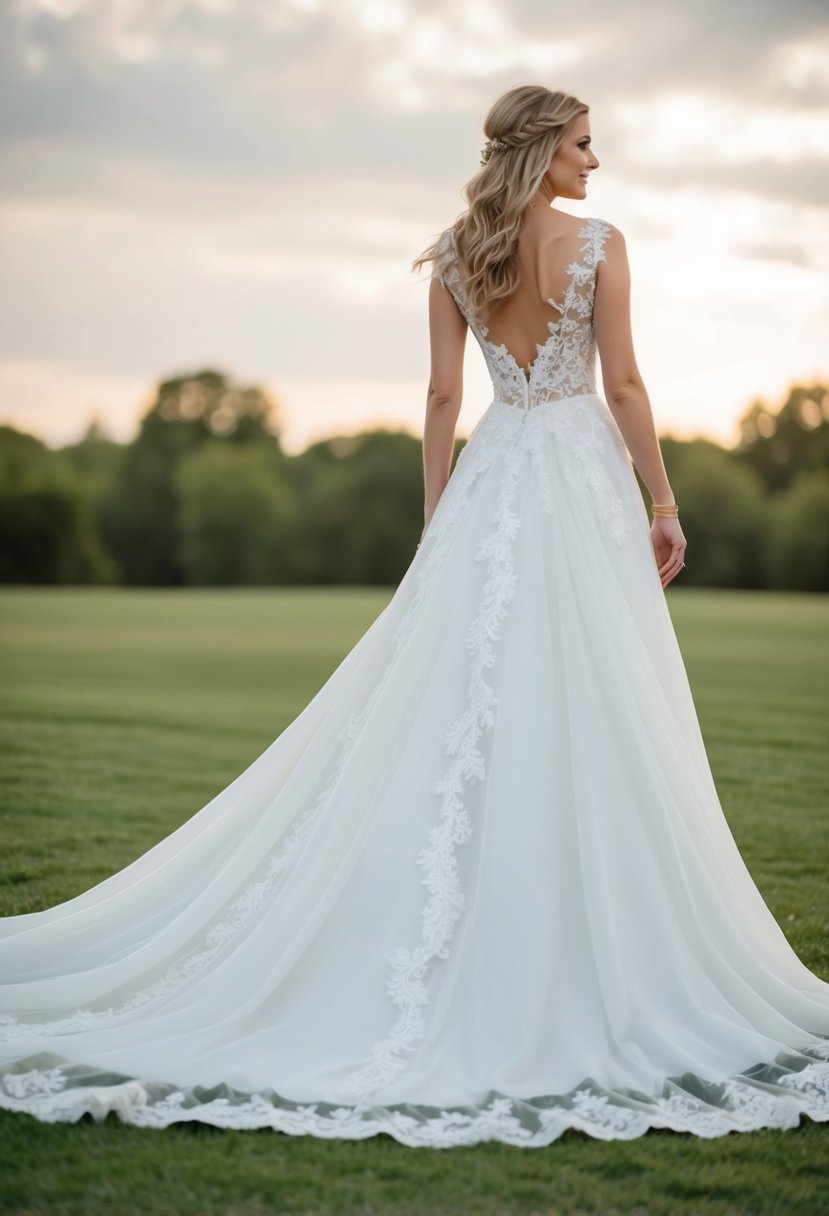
x,y
555,229
549,235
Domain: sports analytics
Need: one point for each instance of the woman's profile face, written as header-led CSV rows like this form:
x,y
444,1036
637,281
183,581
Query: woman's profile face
x,y
574,160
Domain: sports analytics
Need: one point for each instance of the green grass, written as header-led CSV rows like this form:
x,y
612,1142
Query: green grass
x,y
123,712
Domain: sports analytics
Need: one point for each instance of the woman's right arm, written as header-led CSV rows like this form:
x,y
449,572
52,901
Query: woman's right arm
x,y
447,339
627,397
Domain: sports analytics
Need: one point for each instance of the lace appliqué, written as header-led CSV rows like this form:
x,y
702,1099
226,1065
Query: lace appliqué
x,y
563,374
406,985
239,914
588,449
23,1085
565,363
478,454
583,434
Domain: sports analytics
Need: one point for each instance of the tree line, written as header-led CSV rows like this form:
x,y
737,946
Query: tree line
x,y
206,496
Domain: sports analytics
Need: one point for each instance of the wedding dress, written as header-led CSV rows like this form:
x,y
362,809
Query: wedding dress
x,y
482,887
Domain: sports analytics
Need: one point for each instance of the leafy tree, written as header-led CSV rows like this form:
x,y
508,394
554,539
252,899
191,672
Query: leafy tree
x,y
798,556
96,463
47,536
47,528
362,512
140,514
235,512
96,460
208,401
779,445
205,494
24,459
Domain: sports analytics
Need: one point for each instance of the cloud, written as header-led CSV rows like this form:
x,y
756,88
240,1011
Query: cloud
x,y
246,181
777,251
801,182
281,88
653,46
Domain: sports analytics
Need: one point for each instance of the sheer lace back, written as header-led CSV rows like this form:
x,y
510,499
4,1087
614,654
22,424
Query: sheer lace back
x,y
565,362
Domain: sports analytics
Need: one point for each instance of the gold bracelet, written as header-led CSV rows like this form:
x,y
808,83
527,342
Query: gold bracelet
x,y
666,508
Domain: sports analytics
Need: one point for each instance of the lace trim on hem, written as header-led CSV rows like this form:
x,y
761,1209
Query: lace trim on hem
x,y
705,1109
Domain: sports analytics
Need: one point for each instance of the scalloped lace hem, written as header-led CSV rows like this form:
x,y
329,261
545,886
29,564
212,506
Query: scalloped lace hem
x,y
767,1096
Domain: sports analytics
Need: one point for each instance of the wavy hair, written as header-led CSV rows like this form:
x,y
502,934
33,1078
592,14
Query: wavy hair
x,y
524,129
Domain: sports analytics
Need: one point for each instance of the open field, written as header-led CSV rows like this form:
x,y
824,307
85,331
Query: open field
x,y
122,712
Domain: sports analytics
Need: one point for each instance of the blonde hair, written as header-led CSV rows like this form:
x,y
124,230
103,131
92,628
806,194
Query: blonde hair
x,y
525,128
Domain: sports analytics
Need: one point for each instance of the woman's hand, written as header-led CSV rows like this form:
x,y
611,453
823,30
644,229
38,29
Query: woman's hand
x,y
668,547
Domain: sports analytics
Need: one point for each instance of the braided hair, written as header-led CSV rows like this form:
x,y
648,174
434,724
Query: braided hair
x,y
524,129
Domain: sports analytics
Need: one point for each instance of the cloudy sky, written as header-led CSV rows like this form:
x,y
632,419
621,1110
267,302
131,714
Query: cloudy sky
x,y
243,183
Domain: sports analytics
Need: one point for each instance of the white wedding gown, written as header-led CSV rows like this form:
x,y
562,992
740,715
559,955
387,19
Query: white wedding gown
x,y
482,887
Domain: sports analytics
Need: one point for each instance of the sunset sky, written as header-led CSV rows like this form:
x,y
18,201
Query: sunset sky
x,y
244,183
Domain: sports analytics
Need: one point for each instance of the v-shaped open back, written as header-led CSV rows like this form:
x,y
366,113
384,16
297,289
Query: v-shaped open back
x,y
563,361
523,322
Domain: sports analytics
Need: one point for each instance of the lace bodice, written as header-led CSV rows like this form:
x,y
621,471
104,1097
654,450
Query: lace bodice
x,y
566,361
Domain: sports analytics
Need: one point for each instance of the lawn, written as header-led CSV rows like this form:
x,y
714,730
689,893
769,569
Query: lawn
x,y
122,712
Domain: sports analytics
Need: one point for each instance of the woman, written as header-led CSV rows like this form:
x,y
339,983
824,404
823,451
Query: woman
x,y
515,733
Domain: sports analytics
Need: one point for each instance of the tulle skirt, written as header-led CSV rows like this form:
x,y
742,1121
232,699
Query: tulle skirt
x,y
481,888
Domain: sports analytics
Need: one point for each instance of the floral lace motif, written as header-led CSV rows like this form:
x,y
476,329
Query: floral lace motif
x,y
238,914
565,363
584,433
409,966
704,1108
592,443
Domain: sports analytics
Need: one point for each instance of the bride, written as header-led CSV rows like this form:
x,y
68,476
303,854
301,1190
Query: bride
x,y
482,887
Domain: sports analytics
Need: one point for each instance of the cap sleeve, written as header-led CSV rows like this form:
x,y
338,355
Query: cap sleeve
x,y
445,252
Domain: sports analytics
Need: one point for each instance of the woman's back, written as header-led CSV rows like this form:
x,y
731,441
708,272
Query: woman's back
x,y
547,245
537,351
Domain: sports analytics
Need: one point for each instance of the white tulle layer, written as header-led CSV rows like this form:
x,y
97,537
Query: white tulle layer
x,y
481,888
